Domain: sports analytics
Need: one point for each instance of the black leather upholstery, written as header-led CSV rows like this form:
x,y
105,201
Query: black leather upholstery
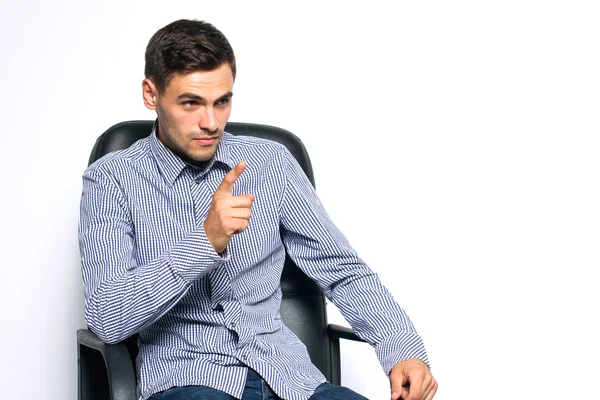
x,y
124,134
303,304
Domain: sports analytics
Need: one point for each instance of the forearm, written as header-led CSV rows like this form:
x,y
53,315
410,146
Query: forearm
x,y
377,318
371,310
123,297
122,305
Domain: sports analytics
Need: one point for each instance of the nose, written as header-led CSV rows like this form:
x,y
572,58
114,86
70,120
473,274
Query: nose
x,y
208,120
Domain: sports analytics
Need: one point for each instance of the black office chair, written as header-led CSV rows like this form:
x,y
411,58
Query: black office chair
x,y
107,371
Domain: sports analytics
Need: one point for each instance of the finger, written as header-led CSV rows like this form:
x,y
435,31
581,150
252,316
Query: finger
x,y
400,394
404,392
415,389
238,213
241,201
242,226
235,225
397,382
229,179
244,199
432,391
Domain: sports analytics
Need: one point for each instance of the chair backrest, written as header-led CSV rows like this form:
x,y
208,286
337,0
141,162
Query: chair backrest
x,y
303,304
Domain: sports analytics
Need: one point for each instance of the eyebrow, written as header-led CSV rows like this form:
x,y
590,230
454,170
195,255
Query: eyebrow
x,y
192,96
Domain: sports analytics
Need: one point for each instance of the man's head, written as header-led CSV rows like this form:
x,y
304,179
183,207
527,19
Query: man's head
x,y
190,70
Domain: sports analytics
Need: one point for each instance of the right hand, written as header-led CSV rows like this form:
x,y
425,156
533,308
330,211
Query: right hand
x,y
228,215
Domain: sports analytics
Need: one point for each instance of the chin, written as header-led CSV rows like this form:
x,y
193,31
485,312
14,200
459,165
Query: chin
x,y
201,158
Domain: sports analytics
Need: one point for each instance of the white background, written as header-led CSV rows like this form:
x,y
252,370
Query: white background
x,y
456,143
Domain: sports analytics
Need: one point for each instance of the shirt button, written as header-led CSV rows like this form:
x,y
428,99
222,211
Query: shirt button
x,y
245,358
232,324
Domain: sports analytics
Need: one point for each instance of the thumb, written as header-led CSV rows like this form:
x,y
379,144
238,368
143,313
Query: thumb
x,y
399,393
398,385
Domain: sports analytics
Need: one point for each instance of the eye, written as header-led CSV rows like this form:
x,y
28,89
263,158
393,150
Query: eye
x,y
222,102
189,104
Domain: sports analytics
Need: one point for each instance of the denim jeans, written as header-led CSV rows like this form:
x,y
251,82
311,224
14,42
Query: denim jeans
x,y
256,389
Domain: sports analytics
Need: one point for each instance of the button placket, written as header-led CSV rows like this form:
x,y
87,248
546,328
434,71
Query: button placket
x,y
201,197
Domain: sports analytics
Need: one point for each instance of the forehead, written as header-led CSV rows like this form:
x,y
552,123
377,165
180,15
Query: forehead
x,y
216,82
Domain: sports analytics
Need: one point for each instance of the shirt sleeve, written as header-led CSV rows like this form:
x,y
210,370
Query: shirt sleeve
x,y
318,248
122,297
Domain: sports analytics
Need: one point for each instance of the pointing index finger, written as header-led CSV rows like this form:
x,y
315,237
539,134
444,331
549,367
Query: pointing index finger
x,y
229,179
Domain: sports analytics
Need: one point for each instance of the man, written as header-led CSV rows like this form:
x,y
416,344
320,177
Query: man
x,y
183,238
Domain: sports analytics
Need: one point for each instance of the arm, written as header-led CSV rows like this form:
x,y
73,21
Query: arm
x,y
322,252
121,296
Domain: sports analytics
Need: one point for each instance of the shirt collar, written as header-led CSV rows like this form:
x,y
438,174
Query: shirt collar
x,y
171,166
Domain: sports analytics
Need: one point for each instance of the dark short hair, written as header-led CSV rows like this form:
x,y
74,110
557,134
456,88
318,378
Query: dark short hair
x,y
186,46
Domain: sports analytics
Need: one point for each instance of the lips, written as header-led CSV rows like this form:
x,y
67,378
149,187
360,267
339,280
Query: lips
x,y
206,141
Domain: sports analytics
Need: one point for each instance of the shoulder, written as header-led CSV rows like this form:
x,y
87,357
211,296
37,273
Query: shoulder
x,y
255,151
252,144
121,161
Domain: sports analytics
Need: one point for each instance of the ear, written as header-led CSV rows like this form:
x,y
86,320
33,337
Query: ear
x,y
150,94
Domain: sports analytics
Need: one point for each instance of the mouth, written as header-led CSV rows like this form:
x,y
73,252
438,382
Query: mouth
x,y
206,140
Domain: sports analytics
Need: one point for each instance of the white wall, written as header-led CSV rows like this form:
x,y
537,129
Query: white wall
x,y
455,143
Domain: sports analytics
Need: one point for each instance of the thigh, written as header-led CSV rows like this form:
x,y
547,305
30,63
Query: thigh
x,y
191,393
327,391
257,389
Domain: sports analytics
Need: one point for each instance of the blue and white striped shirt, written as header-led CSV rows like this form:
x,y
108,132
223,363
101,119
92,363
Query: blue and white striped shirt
x,y
203,317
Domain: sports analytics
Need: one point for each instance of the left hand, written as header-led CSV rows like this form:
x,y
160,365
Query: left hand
x,y
412,380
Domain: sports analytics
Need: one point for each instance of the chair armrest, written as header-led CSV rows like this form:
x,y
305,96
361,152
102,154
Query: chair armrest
x,y
335,333
89,339
118,364
341,332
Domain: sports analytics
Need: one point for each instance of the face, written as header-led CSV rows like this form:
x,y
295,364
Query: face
x,y
192,111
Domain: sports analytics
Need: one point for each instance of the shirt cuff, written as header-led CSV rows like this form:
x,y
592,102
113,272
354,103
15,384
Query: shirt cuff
x,y
400,347
194,256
